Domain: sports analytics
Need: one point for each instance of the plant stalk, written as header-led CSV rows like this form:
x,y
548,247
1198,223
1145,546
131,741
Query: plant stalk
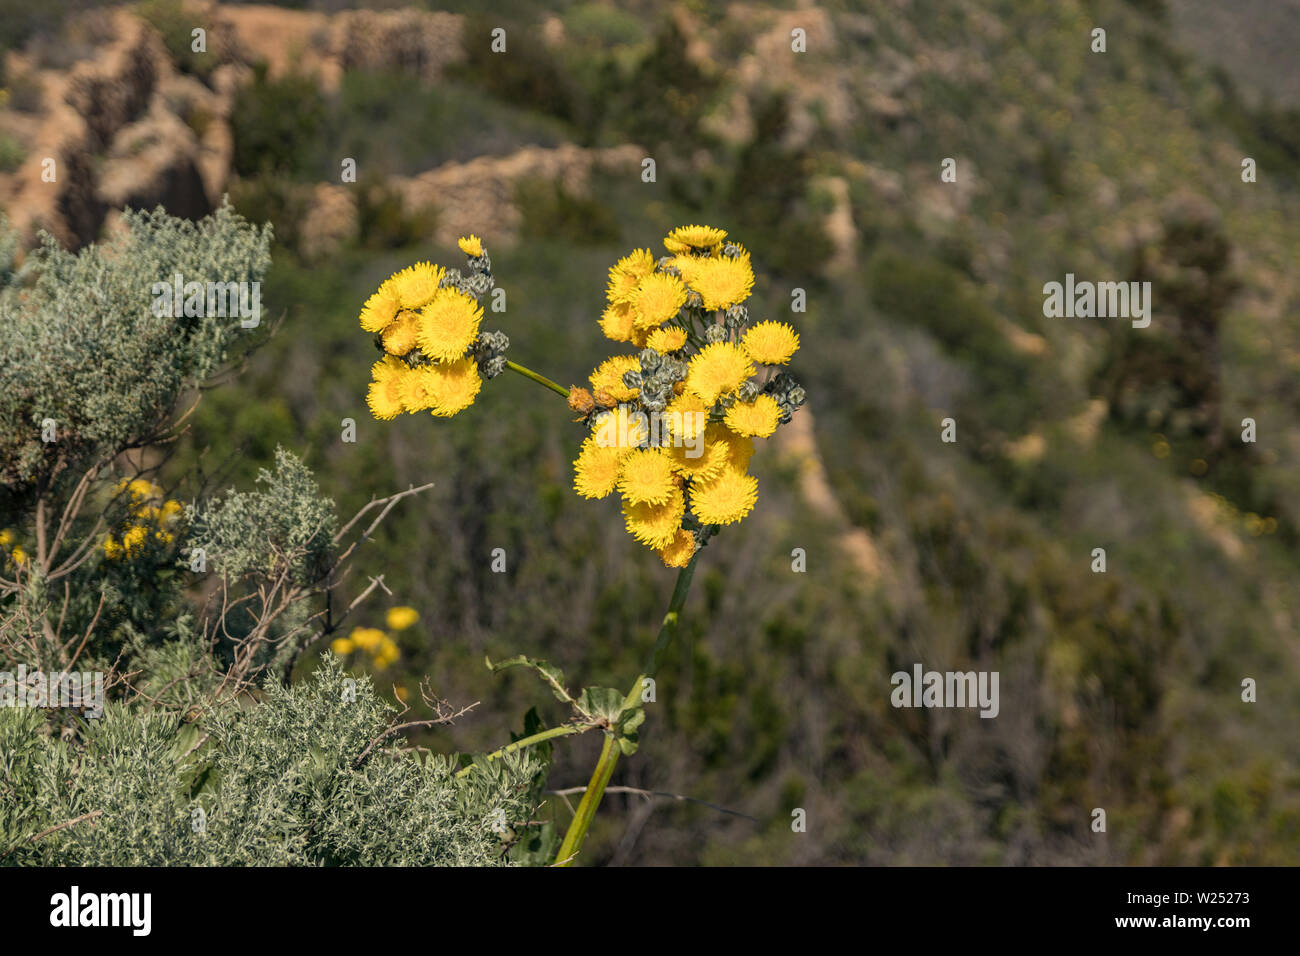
x,y
609,753
539,379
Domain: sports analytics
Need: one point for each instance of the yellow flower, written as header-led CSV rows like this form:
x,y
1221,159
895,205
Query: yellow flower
x,y
6,537
401,617
685,417
171,510
718,369
722,281
385,394
133,539
715,455
415,388
453,386
627,273
381,308
112,550
417,285
342,646
666,339
448,325
657,299
770,343
596,468
740,449
726,498
647,477
758,418
471,245
386,654
367,639
400,336
679,552
617,321
655,525
19,556
685,238
608,378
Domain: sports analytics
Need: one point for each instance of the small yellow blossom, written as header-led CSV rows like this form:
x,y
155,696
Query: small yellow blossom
x,y
770,343
401,617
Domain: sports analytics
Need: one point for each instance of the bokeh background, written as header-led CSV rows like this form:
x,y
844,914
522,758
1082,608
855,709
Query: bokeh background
x,y
1119,690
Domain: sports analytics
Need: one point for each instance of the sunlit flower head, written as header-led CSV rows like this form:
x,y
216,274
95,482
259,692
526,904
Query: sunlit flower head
x,y
667,339
725,498
400,336
607,380
678,553
657,299
718,369
381,308
470,245
655,525
770,343
453,386
596,469
714,454
686,416
385,393
626,274
757,419
722,281
448,325
688,238
416,285
647,477
342,646
617,321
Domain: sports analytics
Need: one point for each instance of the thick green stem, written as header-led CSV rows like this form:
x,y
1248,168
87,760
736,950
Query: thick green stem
x,y
539,379
590,800
609,753
537,738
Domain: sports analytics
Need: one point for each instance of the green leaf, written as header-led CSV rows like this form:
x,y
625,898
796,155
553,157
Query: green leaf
x,y
550,673
603,702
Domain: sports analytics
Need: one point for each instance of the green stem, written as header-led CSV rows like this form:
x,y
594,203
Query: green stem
x,y
609,753
539,379
590,800
563,731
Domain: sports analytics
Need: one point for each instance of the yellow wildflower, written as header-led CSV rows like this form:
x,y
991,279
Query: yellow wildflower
x,y
381,308
471,245
770,343
401,617
718,369
626,274
385,394
417,285
658,298
686,238
724,499
758,418
647,477
448,325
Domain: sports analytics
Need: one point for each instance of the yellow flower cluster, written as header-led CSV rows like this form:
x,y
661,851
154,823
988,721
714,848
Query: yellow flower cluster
x,y
426,319
672,427
379,646
150,519
14,552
